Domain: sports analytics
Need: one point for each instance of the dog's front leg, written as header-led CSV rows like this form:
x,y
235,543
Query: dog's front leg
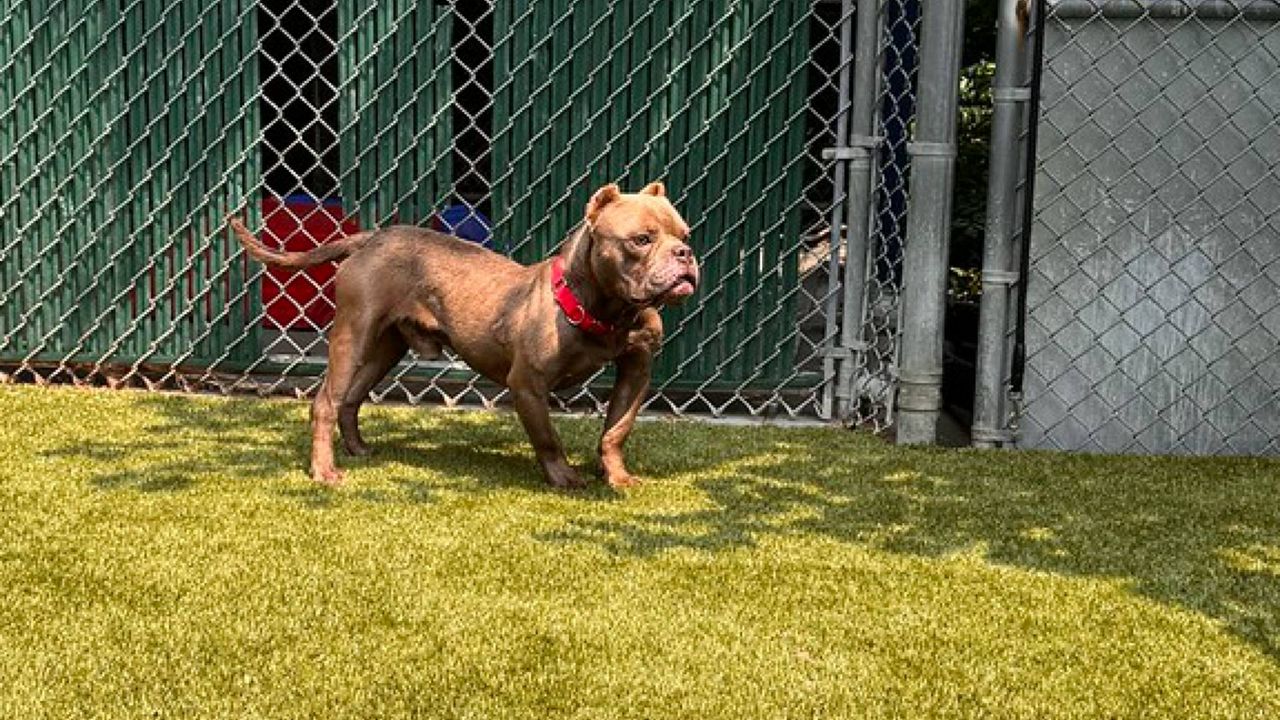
x,y
624,404
531,401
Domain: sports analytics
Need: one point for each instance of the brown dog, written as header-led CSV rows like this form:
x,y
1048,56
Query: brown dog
x,y
533,329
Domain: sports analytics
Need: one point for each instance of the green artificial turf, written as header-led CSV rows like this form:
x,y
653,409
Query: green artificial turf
x,y
165,556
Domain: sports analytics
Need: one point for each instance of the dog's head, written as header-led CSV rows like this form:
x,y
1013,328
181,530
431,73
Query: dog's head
x,y
640,246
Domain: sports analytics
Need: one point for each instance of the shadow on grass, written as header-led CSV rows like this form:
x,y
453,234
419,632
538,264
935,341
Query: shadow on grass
x,y
184,442
1202,534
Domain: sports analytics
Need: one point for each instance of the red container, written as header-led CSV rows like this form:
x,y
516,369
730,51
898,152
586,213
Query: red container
x,y
301,299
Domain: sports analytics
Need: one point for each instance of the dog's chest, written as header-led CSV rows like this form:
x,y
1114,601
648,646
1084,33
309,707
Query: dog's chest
x,y
578,369
587,358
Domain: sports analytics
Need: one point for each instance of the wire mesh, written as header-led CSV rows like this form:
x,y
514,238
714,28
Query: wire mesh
x,y
129,130
1153,308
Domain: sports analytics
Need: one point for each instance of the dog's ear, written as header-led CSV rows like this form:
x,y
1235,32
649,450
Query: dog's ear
x,y
602,197
655,188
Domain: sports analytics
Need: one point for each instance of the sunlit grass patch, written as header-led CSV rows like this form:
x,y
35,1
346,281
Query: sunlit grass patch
x,y
167,556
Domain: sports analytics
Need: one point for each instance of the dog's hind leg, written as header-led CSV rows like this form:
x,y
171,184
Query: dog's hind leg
x,y
348,343
379,358
323,415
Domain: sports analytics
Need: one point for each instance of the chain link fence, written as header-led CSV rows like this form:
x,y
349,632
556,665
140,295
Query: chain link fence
x,y
128,130
1152,319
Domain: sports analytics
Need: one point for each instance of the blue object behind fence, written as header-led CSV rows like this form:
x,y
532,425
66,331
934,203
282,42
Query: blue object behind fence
x,y
466,222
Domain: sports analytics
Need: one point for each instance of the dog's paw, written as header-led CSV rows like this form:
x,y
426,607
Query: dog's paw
x,y
564,477
330,476
357,449
622,481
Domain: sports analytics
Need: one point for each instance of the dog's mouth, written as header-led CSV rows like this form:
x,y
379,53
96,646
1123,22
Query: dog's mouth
x,y
680,288
663,291
684,286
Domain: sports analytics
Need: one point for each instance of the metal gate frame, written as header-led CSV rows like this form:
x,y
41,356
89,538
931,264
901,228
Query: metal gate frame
x,y
1129,286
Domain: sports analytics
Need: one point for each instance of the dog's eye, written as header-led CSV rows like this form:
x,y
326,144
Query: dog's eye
x,y
643,239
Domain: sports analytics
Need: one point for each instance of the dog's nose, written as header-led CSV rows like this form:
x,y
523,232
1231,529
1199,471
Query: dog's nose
x,y
683,252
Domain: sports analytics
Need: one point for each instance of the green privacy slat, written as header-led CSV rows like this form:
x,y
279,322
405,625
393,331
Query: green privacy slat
x,y
395,83
111,140
590,134
788,117
141,119
545,53
117,270
238,169
616,105
697,55
557,175
674,89
512,70
181,266
71,226
54,214
141,33
90,208
98,104
642,62
10,37
164,106
536,160
433,113
45,52
710,216
745,189
46,206
186,311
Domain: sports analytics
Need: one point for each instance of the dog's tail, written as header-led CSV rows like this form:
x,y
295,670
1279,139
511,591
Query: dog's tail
x,y
335,250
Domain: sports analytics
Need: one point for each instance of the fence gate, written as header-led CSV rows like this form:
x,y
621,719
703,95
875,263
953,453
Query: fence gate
x,y
1153,308
1150,278
128,131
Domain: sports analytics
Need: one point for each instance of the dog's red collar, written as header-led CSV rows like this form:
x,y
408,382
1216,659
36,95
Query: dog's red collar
x,y
574,311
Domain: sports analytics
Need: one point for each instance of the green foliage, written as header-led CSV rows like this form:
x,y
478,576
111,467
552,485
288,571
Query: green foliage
x,y
166,556
964,284
980,31
974,139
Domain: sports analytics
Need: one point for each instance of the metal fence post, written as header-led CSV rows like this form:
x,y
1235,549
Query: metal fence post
x,y
835,231
929,222
860,152
1010,96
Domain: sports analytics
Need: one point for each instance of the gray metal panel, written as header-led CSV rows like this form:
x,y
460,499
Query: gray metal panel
x,y
1154,283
